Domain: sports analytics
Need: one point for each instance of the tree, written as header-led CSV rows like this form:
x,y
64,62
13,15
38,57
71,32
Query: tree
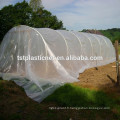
x,y
113,34
23,14
35,4
44,18
11,16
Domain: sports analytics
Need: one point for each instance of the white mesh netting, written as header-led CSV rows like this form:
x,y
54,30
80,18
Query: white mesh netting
x,y
40,78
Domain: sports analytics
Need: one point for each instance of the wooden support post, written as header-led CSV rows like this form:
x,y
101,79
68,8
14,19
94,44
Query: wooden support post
x,y
117,62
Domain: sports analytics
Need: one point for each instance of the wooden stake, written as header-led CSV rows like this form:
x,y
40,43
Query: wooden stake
x,y
117,62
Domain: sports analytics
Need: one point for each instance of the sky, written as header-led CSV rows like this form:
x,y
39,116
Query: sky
x,y
82,14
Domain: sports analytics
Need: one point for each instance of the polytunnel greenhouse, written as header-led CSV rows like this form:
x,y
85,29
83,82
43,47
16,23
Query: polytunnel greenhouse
x,y
40,78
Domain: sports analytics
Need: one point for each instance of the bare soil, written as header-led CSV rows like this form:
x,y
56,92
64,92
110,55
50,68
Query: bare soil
x,y
100,78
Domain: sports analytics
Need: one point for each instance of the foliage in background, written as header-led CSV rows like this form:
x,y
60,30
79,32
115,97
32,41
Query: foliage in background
x,y
113,34
35,4
23,14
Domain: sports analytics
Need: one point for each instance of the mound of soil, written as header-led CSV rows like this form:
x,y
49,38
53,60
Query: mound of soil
x,y
103,78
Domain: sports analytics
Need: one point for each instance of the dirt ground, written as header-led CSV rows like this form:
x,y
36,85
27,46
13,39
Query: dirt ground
x,y
103,78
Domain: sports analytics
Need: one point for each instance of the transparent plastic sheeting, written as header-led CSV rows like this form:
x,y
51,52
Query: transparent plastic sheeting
x,y
41,78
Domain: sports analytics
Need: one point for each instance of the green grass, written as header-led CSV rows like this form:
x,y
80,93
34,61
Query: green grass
x,y
15,105
71,95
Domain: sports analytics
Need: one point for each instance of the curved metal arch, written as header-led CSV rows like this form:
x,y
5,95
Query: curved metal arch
x,y
104,40
66,45
110,43
64,40
50,52
79,42
89,40
4,47
77,38
18,51
98,42
27,64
